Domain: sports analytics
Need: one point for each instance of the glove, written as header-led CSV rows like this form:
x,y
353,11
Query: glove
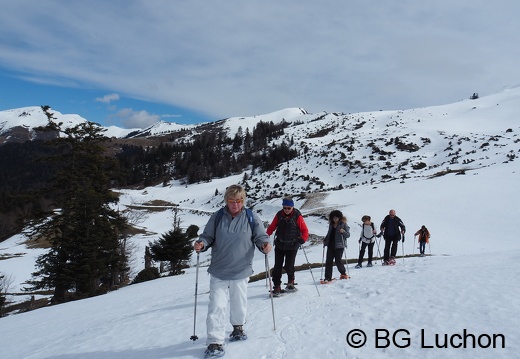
x,y
301,241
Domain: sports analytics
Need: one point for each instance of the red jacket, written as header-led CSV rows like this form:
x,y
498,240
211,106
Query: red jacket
x,y
300,223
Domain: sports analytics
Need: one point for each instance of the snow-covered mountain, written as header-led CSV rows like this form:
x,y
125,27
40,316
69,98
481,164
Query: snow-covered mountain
x,y
19,124
453,168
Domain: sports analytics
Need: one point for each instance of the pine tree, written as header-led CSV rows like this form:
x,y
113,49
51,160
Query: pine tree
x,y
85,254
5,282
174,246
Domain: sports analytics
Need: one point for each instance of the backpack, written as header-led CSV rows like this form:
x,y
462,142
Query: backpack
x,y
292,221
370,239
250,219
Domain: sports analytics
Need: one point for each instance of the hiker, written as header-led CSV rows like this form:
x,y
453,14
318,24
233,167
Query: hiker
x,y
367,238
291,233
424,237
392,228
336,242
233,239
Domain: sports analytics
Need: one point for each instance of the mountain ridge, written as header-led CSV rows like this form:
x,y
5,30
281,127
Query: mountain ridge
x,y
356,149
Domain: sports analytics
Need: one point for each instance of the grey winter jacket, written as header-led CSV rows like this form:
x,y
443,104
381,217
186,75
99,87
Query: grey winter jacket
x,y
232,244
341,238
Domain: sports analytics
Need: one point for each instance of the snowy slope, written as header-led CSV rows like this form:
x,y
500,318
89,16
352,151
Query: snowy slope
x,y
466,284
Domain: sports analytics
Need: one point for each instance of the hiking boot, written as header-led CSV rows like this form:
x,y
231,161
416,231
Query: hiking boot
x,y
277,290
343,276
358,266
238,333
214,350
369,265
385,263
290,285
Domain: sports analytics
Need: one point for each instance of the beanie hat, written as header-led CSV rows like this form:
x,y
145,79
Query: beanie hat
x,y
287,202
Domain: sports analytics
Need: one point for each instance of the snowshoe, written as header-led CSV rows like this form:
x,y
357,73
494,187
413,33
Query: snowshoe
x,y
358,266
237,333
290,288
369,265
214,351
327,281
277,291
344,276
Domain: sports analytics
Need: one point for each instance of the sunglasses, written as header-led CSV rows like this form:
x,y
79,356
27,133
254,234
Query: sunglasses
x,y
235,200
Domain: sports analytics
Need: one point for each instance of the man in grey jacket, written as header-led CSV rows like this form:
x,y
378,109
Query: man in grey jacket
x,y
233,236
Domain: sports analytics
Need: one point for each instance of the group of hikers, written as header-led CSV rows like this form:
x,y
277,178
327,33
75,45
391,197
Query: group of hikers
x,y
234,232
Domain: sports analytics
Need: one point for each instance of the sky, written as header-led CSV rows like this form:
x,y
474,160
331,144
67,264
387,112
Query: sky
x,y
466,284
131,65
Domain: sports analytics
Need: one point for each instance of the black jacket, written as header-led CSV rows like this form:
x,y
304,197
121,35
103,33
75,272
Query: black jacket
x,y
398,228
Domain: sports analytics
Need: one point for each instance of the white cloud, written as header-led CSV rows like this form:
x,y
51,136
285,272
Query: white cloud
x,y
108,98
136,119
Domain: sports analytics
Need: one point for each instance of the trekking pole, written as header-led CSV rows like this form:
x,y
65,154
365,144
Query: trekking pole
x,y
346,260
194,336
402,247
430,248
413,244
312,275
322,259
270,287
359,250
378,251
266,274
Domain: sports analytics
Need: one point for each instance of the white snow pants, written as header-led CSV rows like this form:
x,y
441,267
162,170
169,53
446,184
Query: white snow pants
x,y
218,302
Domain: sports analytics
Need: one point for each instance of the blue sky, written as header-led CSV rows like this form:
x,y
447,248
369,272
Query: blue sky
x,y
96,105
131,64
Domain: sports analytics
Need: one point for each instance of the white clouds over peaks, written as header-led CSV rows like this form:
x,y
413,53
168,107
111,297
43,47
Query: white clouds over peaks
x,y
136,119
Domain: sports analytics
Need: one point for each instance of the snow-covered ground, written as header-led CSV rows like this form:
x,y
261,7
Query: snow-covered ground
x,y
444,305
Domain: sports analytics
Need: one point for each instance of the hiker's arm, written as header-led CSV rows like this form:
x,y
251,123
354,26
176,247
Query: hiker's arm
x,y
207,237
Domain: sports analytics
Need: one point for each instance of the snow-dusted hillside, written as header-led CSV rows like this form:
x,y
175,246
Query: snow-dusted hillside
x,y
466,194
370,148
